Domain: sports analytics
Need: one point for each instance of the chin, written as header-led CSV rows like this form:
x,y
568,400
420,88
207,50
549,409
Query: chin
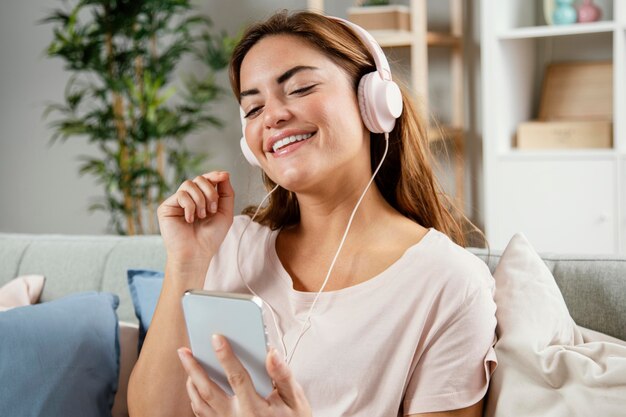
x,y
293,179
290,179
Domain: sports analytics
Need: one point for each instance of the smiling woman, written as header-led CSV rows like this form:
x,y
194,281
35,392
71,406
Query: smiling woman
x,y
372,305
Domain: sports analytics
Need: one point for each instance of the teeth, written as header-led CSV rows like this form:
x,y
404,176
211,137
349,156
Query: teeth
x,y
290,139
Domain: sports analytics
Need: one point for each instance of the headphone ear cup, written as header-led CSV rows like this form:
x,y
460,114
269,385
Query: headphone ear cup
x,y
247,152
380,102
245,149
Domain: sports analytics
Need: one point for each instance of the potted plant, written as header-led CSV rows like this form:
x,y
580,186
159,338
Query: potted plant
x,y
373,3
123,97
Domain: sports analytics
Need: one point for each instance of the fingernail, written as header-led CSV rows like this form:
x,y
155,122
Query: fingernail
x,y
214,207
202,213
181,354
217,342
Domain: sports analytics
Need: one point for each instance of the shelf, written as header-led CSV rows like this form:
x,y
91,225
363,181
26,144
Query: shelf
x,y
559,154
543,192
392,38
443,39
400,38
558,30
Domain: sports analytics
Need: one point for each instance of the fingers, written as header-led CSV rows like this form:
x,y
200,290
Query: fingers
x,y
288,389
198,405
185,199
206,189
238,377
198,198
207,398
226,196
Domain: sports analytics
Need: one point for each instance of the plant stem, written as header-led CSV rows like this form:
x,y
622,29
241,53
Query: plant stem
x,y
150,199
160,157
118,113
150,202
146,162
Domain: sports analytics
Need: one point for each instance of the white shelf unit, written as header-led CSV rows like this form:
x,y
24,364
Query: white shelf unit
x,y
566,201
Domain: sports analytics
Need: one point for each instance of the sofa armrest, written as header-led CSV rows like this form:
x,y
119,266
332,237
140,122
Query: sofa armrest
x,y
129,335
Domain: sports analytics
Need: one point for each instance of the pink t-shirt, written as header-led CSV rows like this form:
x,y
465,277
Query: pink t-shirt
x,y
416,338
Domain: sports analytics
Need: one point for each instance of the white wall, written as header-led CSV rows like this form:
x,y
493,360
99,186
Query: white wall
x,y
40,190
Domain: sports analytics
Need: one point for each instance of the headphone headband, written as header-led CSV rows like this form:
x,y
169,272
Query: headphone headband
x,y
382,65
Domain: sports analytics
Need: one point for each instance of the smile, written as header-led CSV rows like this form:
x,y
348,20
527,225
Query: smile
x,y
289,140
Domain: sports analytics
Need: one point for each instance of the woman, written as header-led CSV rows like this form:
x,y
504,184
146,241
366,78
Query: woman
x,y
403,321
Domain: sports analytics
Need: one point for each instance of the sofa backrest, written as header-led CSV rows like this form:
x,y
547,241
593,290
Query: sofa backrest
x,y
594,288
73,263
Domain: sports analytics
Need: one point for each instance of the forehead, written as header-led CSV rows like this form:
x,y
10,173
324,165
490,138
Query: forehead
x,y
275,54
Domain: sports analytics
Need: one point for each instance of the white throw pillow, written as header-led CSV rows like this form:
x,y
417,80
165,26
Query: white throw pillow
x,y
544,367
21,291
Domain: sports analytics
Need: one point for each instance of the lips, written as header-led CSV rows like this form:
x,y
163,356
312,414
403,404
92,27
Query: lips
x,y
289,140
284,139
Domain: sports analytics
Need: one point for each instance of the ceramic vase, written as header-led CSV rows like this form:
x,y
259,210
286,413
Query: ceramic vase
x,y
548,10
588,12
564,13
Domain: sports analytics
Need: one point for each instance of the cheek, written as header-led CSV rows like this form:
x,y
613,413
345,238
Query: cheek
x,y
346,125
342,111
254,137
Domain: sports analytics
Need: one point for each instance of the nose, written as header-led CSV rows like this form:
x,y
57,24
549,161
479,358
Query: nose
x,y
275,113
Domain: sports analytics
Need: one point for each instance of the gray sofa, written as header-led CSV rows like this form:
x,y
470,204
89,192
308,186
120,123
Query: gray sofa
x,y
594,287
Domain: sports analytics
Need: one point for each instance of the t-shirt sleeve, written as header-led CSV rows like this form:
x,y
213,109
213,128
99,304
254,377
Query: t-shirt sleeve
x,y
222,274
454,369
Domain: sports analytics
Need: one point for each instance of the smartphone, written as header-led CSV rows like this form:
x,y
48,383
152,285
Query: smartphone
x,y
239,318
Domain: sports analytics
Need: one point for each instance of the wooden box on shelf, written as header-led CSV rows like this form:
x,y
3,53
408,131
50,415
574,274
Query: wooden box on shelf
x,y
393,17
565,135
576,108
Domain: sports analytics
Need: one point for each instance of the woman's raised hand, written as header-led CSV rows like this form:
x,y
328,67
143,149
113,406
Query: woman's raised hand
x,y
195,220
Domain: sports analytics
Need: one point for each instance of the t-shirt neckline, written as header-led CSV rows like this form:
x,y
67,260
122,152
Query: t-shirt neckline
x,y
372,283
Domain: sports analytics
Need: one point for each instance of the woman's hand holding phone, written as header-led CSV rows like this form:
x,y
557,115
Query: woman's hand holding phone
x,y
208,399
194,220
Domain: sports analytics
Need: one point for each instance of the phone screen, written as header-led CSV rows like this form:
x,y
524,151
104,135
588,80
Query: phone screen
x,y
239,318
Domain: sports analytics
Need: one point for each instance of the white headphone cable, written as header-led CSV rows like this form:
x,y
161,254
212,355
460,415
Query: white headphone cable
x,y
271,309
307,322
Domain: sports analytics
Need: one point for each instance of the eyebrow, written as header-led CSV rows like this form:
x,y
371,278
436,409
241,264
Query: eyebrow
x,y
281,79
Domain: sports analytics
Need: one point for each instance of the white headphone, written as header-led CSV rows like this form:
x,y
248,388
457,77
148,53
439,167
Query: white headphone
x,y
380,100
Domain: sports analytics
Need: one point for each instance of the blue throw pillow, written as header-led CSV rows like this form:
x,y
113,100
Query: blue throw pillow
x,y
145,288
60,358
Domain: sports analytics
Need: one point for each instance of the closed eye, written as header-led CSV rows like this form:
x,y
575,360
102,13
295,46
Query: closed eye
x,y
252,112
304,90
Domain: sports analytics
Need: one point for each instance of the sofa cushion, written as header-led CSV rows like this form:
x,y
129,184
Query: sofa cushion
x,y
545,368
145,287
60,358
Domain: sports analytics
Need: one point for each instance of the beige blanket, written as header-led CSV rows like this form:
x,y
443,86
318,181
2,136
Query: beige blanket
x,y
547,366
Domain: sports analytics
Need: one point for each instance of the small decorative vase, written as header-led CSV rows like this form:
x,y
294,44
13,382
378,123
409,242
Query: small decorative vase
x,y
548,11
565,13
588,12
